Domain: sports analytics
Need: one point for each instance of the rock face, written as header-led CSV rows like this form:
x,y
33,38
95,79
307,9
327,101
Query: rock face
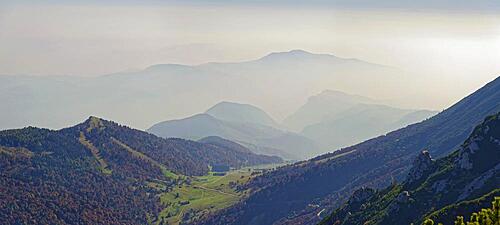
x,y
479,182
421,164
485,137
464,161
403,197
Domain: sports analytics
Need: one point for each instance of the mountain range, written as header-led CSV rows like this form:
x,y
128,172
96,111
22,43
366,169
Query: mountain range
x,y
168,91
335,119
330,120
303,192
319,107
245,124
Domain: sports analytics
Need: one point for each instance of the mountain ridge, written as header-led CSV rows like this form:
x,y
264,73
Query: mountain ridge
x,y
241,112
256,137
155,93
294,54
336,119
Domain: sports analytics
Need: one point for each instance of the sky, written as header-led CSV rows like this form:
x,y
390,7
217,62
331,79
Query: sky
x,y
456,42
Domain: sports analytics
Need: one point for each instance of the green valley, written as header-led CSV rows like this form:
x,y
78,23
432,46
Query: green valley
x,y
198,196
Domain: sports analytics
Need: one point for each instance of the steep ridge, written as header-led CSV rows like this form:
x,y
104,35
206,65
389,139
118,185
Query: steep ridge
x,y
98,172
328,103
296,194
361,122
471,172
334,119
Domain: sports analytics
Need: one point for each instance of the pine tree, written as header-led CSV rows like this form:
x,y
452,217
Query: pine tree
x,y
489,216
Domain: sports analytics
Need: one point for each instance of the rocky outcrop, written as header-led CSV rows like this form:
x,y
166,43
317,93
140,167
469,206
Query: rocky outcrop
x,y
403,197
420,165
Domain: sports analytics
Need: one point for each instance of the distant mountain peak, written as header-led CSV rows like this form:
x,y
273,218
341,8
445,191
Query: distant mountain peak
x,y
228,103
168,66
296,54
240,112
291,52
339,94
299,51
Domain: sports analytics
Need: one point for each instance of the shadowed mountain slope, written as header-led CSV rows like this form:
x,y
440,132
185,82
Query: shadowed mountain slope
x,y
298,193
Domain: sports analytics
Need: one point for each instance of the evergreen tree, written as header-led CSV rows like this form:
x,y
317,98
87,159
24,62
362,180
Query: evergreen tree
x,y
489,216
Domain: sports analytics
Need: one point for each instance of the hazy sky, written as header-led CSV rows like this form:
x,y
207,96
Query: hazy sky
x,y
446,40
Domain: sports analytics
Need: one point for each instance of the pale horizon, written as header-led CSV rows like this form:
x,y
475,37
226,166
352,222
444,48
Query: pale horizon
x,y
451,50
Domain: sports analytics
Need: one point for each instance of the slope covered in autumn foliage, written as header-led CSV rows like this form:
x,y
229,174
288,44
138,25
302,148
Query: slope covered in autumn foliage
x,y
98,172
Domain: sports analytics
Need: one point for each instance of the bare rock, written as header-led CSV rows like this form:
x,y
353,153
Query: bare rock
x,y
420,165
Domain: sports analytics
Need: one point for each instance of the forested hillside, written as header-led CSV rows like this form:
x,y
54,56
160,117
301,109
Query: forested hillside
x,y
299,193
446,185
98,172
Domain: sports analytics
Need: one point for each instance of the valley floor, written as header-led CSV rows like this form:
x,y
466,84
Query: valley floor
x,y
201,195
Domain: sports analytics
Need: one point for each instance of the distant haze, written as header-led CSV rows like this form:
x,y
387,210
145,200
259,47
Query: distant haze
x,y
451,47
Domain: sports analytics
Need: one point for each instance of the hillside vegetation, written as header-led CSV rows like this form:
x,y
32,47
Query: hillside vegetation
x,y
433,188
99,172
481,215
